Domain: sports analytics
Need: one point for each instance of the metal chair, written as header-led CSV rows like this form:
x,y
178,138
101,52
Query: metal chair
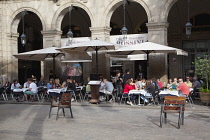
x,y
124,97
87,92
42,93
148,97
110,94
4,94
189,99
173,104
79,94
195,93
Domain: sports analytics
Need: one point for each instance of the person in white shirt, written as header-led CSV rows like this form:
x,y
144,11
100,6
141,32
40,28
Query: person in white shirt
x,y
26,84
16,85
32,89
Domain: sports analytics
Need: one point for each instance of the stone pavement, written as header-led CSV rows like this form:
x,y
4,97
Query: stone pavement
x,y
29,121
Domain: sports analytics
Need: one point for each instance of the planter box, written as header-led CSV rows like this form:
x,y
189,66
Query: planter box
x,y
205,97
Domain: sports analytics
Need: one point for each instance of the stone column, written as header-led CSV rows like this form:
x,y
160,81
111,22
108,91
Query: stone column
x,y
11,64
158,65
51,38
101,33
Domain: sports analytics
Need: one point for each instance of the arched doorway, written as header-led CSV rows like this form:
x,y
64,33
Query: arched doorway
x,y
33,28
80,23
136,19
197,45
80,26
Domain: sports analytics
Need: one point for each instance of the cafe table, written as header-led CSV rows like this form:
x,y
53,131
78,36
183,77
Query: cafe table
x,y
139,93
20,90
167,92
60,90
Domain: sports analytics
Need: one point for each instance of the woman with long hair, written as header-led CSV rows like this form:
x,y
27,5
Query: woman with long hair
x,y
129,86
150,88
57,83
51,84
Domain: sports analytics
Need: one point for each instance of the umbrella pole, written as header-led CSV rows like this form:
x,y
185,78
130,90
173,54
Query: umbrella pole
x,y
53,66
97,60
147,65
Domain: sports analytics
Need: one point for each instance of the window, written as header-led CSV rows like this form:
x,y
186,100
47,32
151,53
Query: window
x,y
200,22
195,49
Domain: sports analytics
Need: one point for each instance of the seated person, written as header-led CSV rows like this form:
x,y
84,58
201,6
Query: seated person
x,y
57,84
160,84
108,87
129,86
75,82
26,84
41,82
88,89
183,88
64,84
169,84
150,88
71,85
175,84
7,84
101,89
188,83
16,85
32,89
51,84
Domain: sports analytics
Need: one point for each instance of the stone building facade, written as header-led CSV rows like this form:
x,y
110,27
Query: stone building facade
x,y
46,23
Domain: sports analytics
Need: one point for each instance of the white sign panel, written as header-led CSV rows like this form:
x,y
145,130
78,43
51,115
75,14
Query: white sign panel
x,y
132,39
65,42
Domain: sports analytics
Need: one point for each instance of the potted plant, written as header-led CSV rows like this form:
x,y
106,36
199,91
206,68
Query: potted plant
x,y
202,69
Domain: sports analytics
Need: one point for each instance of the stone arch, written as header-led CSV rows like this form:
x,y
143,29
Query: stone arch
x,y
115,4
60,13
16,17
167,9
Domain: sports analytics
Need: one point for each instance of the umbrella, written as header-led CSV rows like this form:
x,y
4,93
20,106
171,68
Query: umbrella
x,y
40,55
147,48
92,45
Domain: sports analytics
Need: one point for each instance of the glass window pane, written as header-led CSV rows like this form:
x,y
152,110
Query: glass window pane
x,y
189,46
202,46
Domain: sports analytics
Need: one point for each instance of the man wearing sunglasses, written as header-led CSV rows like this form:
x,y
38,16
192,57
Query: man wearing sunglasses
x,y
183,87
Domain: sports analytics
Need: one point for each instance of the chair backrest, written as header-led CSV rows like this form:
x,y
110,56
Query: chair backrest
x,y
65,99
174,103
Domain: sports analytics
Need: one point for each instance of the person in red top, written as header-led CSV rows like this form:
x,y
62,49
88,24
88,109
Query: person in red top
x,y
183,87
129,86
160,84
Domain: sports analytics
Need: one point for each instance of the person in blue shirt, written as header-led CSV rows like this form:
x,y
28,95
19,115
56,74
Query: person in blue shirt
x,y
51,84
41,82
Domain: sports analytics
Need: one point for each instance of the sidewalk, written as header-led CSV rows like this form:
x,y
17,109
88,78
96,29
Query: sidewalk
x,y
29,121
100,122
197,106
